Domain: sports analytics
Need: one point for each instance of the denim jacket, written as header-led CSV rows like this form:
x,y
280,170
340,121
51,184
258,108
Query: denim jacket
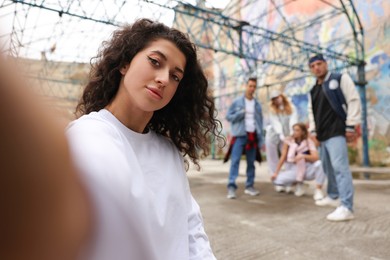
x,y
236,116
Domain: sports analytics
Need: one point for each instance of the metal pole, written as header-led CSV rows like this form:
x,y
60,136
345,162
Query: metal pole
x,y
362,91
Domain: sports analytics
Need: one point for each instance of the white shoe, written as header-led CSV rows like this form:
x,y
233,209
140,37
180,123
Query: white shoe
x,y
299,190
318,194
328,202
251,191
231,193
279,188
288,189
340,214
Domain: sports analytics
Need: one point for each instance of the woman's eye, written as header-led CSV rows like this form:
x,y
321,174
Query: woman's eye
x,y
154,61
176,78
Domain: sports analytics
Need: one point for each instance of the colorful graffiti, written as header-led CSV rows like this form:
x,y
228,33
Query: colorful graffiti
x,y
374,15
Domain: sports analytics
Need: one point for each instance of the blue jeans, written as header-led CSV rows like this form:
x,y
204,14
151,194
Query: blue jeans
x,y
238,147
334,157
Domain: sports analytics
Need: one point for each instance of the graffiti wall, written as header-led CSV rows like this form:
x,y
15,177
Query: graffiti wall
x,y
375,17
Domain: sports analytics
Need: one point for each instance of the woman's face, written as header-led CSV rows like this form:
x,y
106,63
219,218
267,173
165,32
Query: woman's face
x,y
297,132
152,77
278,100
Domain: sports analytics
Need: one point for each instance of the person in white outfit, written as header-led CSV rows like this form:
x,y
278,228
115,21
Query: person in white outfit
x,y
299,161
115,186
146,106
282,116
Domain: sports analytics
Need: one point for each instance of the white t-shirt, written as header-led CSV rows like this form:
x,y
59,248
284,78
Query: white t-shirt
x,y
143,208
250,115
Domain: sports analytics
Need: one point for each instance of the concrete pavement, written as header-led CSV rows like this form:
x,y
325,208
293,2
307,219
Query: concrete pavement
x,y
282,226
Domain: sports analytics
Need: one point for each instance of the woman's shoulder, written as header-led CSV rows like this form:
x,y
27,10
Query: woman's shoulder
x,y
289,140
92,123
92,132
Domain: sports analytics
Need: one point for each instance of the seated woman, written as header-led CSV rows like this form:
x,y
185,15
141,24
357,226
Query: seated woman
x,y
301,162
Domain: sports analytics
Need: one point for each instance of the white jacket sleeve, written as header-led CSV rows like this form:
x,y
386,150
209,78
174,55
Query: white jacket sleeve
x,y
276,124
352,98
312,124
199,244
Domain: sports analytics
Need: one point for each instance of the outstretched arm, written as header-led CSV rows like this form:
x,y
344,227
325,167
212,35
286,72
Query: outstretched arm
x,y
44,210
282,159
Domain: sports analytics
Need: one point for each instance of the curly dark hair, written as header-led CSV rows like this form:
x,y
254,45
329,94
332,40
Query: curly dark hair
x,y
189,119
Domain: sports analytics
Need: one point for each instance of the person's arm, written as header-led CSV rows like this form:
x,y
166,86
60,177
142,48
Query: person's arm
x,y
235,112
312,124
352,98
44,209
199,244
282,159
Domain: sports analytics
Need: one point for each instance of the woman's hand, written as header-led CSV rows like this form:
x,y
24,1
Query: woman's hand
x,y
274,176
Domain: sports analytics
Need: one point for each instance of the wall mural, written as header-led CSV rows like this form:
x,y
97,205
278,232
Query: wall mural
x,y
374,15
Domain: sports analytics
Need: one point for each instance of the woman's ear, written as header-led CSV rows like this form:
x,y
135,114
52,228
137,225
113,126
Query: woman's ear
x,y
124,69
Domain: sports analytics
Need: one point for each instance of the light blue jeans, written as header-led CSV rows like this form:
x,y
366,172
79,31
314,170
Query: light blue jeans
x,y
334,157
235,157
288,176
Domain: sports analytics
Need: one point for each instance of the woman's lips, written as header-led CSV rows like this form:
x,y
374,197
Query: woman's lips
x,y
155,92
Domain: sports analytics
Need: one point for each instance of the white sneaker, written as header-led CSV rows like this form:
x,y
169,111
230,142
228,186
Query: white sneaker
x,y
299,190
288,189
328,202
231,193
340,214
251,191
318,194
279,188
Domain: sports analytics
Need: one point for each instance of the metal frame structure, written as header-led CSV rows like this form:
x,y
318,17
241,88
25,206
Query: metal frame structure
x,y
259,48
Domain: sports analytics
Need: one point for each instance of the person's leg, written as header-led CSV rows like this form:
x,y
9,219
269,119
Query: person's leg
x,y
315,171
286,177
332,190
338,153
250,167
301,169
235,158
272,152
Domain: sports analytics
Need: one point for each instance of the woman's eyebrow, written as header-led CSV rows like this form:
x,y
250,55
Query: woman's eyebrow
x,y
162,55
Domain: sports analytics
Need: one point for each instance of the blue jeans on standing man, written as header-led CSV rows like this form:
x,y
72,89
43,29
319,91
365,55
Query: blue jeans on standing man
x,y
334,157
238,147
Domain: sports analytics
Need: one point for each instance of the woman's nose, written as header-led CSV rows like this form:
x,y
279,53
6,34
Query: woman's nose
x,y
162,77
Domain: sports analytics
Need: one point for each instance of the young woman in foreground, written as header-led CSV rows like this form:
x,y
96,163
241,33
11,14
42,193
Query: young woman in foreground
x,y
147,105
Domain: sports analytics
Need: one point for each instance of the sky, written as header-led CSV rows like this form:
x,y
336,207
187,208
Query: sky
x,y
68,38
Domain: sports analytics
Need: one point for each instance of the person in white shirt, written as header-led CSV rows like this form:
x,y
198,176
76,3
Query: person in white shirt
x,y
282,117
146,106
115,186
246,118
